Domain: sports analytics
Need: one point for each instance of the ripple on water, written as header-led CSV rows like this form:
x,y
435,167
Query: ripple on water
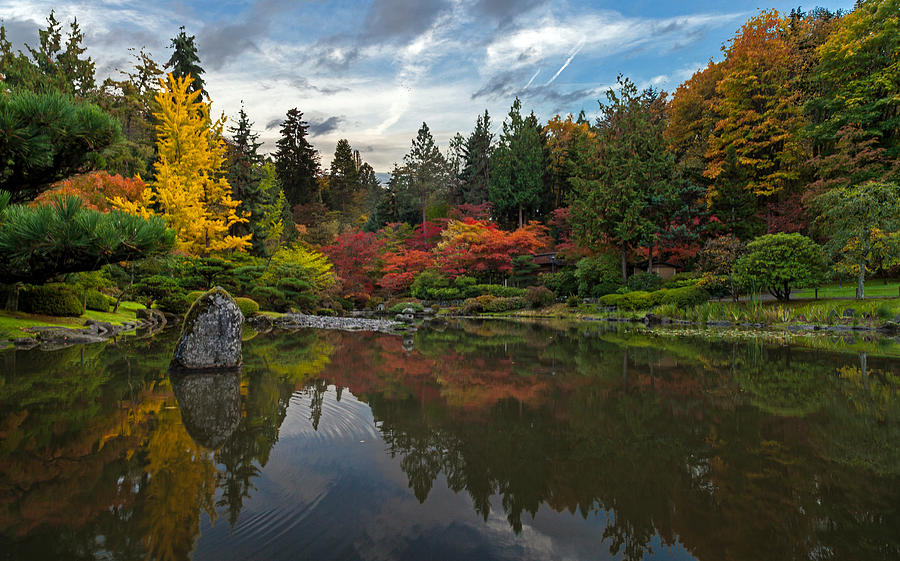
x,y
343,420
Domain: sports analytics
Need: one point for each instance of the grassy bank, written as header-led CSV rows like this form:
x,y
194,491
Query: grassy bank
x,y
874,289
14,324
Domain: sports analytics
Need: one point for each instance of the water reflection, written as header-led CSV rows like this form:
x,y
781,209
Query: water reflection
x,y
583,442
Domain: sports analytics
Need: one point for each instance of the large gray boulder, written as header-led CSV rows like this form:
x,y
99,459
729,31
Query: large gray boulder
x,y
211,335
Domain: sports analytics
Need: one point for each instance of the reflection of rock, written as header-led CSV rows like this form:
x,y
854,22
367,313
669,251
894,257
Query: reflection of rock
x,y
211,337
210,404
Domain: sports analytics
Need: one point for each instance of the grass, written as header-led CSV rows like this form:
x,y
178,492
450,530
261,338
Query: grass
x,y
874,288
819,312
13,324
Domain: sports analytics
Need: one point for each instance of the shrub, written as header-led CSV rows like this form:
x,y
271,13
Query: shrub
x,y
715,285
492,304
326,312
645,281
51,300
637,300
461,282
685,297
194,294
597,275
248,306
572,301
449,293
562,283
96,300
426,282
497,290
539,296
400,306
174,303
779,263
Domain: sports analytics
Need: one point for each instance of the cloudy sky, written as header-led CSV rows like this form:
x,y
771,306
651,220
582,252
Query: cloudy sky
x,y
373,71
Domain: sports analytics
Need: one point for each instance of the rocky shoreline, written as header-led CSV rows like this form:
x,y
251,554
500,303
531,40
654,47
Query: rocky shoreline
x,y
303,321
48,338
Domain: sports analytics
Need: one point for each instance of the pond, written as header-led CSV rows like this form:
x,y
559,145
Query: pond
x,y
481,440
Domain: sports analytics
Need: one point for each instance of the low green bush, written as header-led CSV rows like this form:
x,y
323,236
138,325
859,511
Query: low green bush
x,y
96,300
426,282
449,293
496,290
645,281
562,283
174,303
573,301
400,306
51,300
248,306
539,296
487,303
685,297
598,275
194,294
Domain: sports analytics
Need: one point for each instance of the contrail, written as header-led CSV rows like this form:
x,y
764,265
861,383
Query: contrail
x,y
565,64
532,79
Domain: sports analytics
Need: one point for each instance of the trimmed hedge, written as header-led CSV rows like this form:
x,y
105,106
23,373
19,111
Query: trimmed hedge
x,y
645,281
51,300
539,296
248,306
96,300
492,304
685,297
174,303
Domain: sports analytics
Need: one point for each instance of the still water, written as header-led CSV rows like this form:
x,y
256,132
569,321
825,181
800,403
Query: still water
x,y
470,441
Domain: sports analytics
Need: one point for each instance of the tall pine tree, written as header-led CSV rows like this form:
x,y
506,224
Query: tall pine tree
x,y
426,168
343,179
296,161
476,169
517,167
186,62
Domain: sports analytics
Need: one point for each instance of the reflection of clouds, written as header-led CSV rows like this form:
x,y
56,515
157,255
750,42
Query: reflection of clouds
x,y
325,494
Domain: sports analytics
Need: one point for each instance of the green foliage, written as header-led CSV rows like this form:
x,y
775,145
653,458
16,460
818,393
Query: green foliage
x,y
863,225
597,276
493,304
780,262
296,161
517,167
539,296
562,283
159,288
496,290
40,242
48,136
645,281
50,299
426,282
248,306
684,297
185,62
524,271
96,300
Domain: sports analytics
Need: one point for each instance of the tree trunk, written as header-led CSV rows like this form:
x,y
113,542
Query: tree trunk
x,y
861,283
423,218
127,288
521,221
624,265
650,260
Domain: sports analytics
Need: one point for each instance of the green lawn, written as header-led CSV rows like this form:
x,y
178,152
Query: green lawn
x,y
874,288
12,324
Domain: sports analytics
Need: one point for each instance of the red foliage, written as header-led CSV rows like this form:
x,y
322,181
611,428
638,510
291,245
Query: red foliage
x,y
475,212
96,189
474,246
426,236
561,229
355,258
401,268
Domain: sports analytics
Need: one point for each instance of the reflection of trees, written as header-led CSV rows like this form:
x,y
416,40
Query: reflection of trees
x,y
94,458
717,445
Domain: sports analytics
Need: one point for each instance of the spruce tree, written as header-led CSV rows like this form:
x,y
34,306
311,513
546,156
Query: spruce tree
x,y
476,171
517,167
185,62
343,180
426,167
296,161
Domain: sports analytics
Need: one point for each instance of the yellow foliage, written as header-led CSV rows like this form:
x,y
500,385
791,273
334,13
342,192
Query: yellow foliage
x,y
302,262
190,190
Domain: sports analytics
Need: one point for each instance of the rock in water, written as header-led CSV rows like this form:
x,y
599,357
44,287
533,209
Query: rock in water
x,y
211,336
210,404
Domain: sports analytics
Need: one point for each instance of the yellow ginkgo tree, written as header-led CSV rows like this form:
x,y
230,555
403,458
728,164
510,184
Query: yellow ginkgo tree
x,y
190,190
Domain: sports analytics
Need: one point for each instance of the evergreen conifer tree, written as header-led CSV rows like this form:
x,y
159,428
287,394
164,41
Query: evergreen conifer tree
x,y
296,161
476,171
517,167
426,168
186,62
